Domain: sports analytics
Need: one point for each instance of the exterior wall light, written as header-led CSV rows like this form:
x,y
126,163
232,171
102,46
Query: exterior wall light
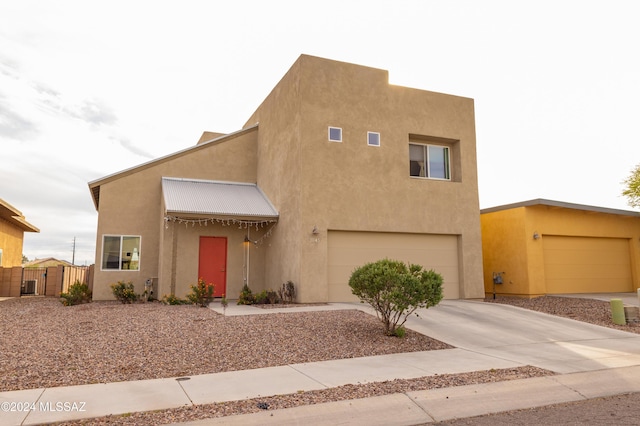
x,y
315,233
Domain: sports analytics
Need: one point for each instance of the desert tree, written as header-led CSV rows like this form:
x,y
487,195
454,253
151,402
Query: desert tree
x,y
632,187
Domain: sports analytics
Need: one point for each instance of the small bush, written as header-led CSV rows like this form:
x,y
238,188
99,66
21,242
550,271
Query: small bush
x,y
400,332
201,293
396,290
272,297
171,299
246,296
287,293
224,304
78,293
124,292
267,297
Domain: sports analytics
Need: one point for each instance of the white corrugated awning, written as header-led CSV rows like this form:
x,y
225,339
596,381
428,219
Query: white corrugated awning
x,y
194,198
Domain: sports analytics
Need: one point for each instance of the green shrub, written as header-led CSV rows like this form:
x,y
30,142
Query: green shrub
x,y
78,293
224,302
171,299
124,292
400,332
267,297
260,298
246,296
396,290
201,293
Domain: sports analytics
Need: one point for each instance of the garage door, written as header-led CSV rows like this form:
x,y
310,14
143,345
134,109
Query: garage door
x,y
349,250
586,265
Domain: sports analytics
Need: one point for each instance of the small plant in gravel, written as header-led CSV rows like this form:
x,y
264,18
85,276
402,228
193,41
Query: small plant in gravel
x,y
265,297
400,332
78,293
201,293
171,299
124,292
224,304
395,290
246,296
287,292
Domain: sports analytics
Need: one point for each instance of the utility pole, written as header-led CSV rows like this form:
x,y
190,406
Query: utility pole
x,y
73,258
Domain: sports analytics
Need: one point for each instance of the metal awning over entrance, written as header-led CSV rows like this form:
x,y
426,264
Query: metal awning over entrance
x,y
198,201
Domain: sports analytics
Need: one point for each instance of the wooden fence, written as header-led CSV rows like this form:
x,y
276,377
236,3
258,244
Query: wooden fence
x,y
50,281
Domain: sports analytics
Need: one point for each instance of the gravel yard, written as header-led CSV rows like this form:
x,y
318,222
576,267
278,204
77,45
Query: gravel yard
x,y
44,344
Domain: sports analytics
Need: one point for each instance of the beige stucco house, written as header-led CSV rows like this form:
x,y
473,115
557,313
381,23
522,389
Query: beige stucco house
x,y
334,169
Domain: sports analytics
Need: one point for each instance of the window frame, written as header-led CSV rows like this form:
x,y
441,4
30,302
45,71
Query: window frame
x,y
369,134
329,134
425,149
122,258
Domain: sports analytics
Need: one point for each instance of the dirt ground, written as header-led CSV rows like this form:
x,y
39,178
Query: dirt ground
x,y
614,410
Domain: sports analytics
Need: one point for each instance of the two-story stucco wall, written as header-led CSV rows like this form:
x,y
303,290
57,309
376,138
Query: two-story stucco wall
x,y
278,175
553,248
131,203
351,192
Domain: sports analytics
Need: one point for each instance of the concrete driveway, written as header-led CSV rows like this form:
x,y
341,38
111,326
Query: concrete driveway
x,y
558,344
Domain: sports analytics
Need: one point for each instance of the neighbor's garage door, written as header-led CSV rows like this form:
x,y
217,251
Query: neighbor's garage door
x,y
349,250
586,265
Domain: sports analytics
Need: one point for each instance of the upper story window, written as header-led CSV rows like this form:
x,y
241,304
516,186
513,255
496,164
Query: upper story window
x,y
120,252
335,134
373,139
429,161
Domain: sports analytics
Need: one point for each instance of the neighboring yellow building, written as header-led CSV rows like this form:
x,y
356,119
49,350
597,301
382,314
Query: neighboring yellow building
x,y
543,247
334,169
12,228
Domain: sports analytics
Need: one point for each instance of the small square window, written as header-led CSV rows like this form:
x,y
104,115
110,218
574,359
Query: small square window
x,y
335,134
373,139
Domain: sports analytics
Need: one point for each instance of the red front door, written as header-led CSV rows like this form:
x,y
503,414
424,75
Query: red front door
x,y
212,264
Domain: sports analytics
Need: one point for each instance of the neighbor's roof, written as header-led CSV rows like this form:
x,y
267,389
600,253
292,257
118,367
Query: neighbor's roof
x,y
49,261
15,217
551,203
224,200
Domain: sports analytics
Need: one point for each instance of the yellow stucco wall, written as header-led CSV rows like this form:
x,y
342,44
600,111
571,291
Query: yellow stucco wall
x,y
11,242
509,246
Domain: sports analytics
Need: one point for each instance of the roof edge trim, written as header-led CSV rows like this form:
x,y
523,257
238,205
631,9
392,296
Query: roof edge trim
x,y
94,185
561,204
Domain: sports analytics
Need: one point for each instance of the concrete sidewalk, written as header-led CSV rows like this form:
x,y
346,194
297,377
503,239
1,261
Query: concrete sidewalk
x,y
591,362
421,407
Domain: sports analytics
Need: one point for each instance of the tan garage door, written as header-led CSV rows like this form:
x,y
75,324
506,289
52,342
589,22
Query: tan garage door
x,y
349,250
586,265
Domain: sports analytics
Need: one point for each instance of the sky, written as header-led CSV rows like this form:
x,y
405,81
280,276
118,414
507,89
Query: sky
x,y
90,88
